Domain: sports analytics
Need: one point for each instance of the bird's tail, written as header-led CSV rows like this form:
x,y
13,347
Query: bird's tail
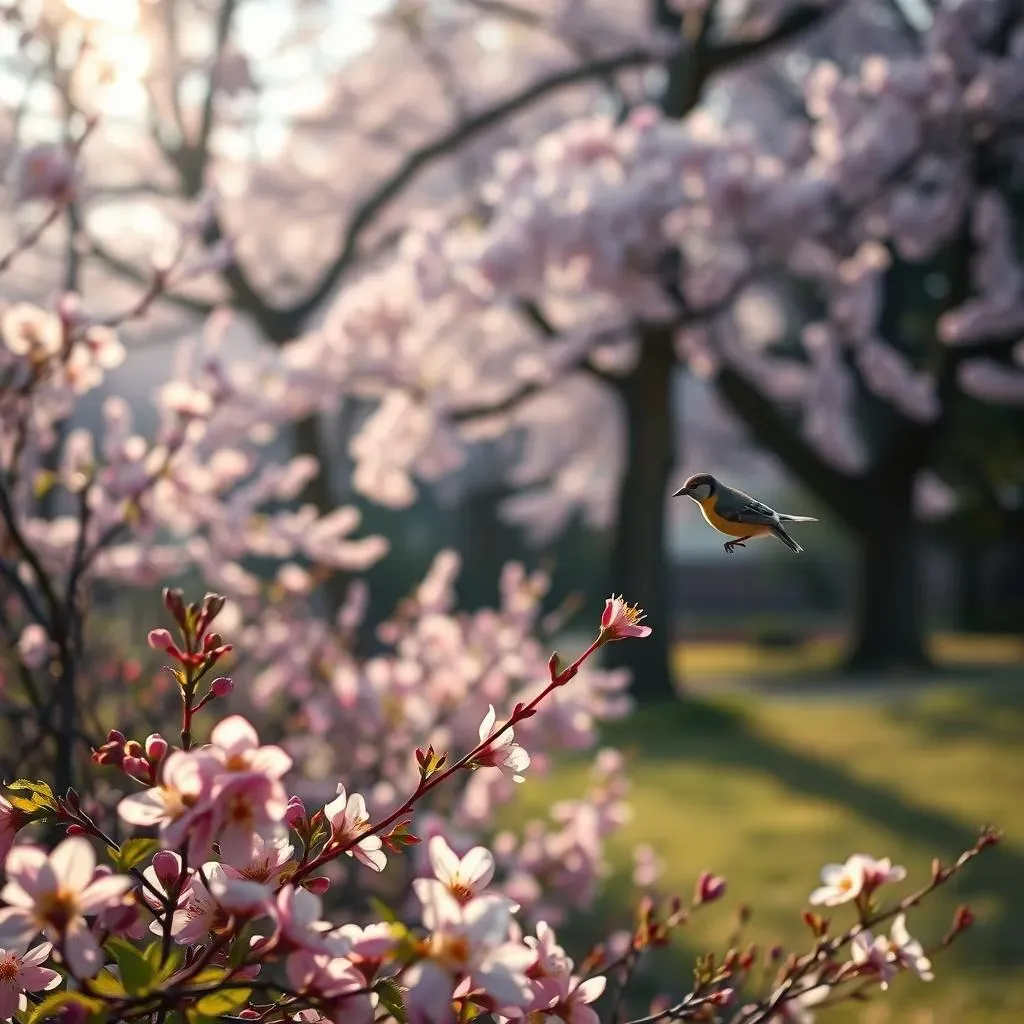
x,y
786,539
796,519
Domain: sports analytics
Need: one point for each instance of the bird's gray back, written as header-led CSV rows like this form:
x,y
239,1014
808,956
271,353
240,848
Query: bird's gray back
x,y
738,507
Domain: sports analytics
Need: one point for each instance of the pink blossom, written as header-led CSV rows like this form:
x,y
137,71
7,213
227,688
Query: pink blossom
x,y
235,744
620,621
908,951
335,980
872,955
569,998
349,820
468,944
179,805
11,820
299,917
860,873
463,877
45,171
34,647
22,972
53,893
501,752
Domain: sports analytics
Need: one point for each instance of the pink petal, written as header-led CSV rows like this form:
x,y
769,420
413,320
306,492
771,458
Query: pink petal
x,y
8,1001
13,895
234,734
144,809
38,979
38,954
84,956
272,761
105,891
16,927
443,861
73,861
477,867
591,989
30,868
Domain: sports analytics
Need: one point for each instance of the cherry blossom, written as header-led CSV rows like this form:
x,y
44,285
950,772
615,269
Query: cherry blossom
x,y
501,752
860,874
22,972
53,893
349,821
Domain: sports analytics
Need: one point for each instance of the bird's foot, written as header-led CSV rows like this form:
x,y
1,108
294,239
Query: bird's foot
x,y
731,545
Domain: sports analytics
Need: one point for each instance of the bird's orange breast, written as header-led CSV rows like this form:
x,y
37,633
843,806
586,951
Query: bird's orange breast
x,y
731,529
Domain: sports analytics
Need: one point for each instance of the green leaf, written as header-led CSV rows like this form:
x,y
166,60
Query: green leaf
x,y
136,971
390,994
209,976
105,984
382,910
38,796
46,1010
227,1000
162,969
135,851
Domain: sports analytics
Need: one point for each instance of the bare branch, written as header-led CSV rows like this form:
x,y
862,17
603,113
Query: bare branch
x,y
133,273
798,21
419,158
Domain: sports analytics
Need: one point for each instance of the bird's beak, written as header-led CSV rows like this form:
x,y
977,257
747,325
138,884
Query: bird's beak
x,y
682,492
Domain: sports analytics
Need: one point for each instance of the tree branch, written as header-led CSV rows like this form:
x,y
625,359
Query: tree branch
x,y
133,273
796,22
418,159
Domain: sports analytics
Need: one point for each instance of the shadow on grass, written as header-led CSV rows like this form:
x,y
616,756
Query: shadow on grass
x,y
723,735
995,717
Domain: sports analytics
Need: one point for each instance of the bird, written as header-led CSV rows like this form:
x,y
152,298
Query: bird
x,y
737,514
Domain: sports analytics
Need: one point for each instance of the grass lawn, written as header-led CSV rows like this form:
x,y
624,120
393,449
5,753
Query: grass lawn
x,y
712,662
765,791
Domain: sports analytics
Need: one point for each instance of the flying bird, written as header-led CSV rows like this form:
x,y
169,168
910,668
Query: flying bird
x,y
737,514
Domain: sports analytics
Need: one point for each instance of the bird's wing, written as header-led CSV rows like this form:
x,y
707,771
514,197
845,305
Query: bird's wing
x,y
738,507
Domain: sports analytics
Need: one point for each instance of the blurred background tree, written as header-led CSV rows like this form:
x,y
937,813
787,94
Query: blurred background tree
x,y
551,444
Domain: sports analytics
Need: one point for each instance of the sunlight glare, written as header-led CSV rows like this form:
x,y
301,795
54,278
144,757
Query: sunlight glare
x,y
115,14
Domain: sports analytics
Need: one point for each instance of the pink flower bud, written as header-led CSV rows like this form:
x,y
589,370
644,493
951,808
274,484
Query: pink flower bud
x,y
174,602
76,830
317,885
709,888
296,811
156,747
114,736
221,686
249,1014
161,640
136,766
166,867
133,748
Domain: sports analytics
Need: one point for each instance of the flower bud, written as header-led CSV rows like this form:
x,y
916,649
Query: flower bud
x,y
212,640
221,686
115,736
161,640
156,747
166,867
317,885
76,830
133,748
708,889
136,766
174,602
296,812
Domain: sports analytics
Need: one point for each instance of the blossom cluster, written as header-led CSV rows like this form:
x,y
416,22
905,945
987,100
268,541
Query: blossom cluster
x,y
223,909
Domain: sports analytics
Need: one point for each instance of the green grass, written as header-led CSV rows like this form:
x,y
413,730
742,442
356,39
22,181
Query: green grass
x,y
711,662
765,791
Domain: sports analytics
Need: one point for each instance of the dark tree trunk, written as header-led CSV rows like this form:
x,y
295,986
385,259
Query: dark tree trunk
x,y
889,628
639,567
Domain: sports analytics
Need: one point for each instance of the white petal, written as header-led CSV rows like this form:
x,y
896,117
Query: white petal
x,y
73,862
443,860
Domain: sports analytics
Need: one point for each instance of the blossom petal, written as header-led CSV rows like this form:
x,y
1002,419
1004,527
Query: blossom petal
x,y
444,862
73,861
104,891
